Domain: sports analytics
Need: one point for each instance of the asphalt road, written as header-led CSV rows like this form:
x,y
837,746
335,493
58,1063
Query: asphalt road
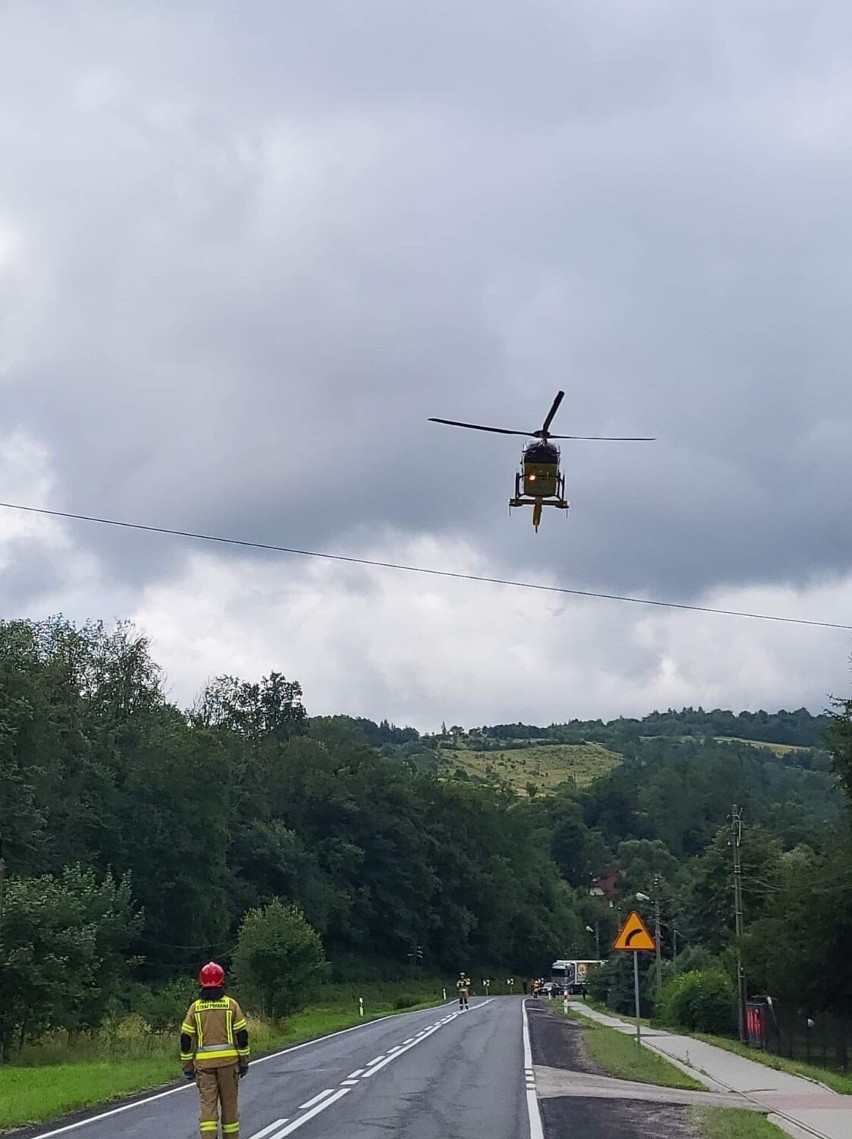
x,y
437,1074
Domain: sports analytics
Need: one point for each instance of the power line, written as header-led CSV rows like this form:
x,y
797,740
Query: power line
x,y
270,547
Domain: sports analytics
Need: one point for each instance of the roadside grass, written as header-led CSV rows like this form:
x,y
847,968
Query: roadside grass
x,y
50,1080
628,1018
838,1081
731,1123
619,1055
33,1095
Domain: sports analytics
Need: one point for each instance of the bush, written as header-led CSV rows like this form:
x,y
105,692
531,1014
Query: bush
x,y
613,983
163,1008
405,1001
278,960
700,1001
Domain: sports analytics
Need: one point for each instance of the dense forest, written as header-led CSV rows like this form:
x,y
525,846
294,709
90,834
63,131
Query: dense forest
x,y
136,835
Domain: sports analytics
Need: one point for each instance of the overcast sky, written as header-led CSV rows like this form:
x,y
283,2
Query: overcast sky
x,y
246,250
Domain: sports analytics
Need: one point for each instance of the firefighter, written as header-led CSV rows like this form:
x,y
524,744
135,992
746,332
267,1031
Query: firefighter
x,y
463,990
214,1051
536,988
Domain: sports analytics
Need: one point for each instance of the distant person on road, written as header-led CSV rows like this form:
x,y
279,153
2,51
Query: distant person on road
x,y
536,988
463,990
214,1051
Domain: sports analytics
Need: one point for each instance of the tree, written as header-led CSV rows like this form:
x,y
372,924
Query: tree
x,y
272,709
278,958
64,951
839,738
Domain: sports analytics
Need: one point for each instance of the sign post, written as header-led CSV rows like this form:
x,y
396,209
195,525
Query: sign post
x,y
635,937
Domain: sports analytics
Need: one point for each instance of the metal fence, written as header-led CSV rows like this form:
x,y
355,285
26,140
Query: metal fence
x,y
815,1038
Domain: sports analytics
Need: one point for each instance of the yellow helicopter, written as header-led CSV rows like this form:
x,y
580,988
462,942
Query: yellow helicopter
x,y
539,482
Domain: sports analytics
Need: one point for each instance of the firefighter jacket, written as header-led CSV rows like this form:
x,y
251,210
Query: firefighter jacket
x,y
463,984
214,1034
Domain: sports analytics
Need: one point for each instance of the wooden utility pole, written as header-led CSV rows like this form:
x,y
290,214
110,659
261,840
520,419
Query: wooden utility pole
x,y
736,842
658,882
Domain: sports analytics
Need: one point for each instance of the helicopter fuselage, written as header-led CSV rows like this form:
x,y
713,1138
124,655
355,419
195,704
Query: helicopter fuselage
x,y
540,470
539,482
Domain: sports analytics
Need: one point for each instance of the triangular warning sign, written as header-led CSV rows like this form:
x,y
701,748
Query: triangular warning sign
x,y
634,934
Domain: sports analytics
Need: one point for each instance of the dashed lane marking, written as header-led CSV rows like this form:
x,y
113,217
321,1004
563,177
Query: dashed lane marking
x,y
266,1130
186,1087
316,1099
309,1114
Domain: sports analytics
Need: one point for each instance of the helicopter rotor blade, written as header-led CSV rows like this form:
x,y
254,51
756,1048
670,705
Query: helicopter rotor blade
x,y
559,398
479,427
610,438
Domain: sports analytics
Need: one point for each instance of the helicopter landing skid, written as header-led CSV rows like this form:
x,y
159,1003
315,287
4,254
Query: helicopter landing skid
x,y
562,503
537,504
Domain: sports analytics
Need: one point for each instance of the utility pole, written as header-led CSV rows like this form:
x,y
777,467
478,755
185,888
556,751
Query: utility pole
x,y
2,887
736,842
658,881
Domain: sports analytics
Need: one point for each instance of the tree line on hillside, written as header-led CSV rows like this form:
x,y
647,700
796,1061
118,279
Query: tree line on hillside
x,y
138,835
798,729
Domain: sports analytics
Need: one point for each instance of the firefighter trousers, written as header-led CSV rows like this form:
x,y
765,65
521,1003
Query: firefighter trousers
x,y
218,1086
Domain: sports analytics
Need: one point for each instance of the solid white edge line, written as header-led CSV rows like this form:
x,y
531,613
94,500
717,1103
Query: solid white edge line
x,y
533,1110
254,1063
316,1099
536,1129
107,1114
266,1130
310,1114
527,1049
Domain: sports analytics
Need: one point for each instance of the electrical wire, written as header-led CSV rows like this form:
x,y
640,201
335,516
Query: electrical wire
x,y
349,559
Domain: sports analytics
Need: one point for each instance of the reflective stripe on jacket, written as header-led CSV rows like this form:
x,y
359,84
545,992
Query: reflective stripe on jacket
x,y
212,1028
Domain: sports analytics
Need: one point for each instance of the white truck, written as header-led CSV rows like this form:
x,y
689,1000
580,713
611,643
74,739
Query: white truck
x,y
570,977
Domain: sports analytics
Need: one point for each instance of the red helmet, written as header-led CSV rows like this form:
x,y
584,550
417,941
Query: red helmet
x,y
212,976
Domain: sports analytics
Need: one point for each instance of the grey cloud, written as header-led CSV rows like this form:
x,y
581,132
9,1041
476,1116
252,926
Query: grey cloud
x,y
270,245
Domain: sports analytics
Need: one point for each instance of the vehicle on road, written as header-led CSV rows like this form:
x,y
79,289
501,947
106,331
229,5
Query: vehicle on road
x,y
570,977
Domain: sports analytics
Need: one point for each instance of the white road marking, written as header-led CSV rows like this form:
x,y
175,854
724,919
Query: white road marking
x,y
310,1114
354,1075
187,1087
115,1111
536,1129
348,1083
316,1099
410,1040
375,1060
266,1130
260,1060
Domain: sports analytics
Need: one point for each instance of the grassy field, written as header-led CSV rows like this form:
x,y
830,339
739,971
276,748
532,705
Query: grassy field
x,y
41,1088
620,1056
545,765
779,749
837,1081
729,1123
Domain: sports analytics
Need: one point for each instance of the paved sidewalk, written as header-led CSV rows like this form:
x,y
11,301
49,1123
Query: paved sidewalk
x,y
802,1108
